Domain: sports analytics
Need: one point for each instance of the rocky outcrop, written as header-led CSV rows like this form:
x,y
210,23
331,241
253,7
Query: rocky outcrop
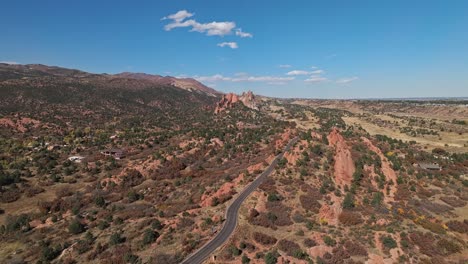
x,y
229,100
21,124
249,100
344,165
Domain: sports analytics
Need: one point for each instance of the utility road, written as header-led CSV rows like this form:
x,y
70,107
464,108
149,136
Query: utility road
x,y
232,214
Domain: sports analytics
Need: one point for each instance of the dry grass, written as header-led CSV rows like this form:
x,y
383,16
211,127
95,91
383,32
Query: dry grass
x,y
454,141
7,248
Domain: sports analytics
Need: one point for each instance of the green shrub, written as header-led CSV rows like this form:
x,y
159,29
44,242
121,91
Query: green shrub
x,y
76,227
99,201
348,202
116,238
388,242
49,253
157,224
273,197
149,237
271,258
329,241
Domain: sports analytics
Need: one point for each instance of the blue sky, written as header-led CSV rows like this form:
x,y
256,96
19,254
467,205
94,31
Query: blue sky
x,y
313,49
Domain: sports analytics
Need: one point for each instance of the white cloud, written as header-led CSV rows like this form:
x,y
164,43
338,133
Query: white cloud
x,y
347,80
213,78
242,34
211,29
9,62
232,45
214,28
243,78
262,79
285,66
313,67
315,79
300,72
179,16
317,72
296,72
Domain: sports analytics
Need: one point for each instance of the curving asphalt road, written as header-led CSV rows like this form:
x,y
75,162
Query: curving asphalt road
x,y
232,213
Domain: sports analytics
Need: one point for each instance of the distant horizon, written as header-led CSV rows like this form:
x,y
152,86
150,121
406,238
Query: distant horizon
x,y
460,98
332,49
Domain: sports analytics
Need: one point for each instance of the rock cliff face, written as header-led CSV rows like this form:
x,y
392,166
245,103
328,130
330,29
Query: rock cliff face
x,y
344,166
249,100
228,101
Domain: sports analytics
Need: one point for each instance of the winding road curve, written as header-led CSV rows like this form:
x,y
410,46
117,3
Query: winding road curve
x,y
232,214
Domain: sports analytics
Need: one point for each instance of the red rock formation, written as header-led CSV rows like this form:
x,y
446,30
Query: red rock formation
x,y
228,100
21,124
344,165
248,99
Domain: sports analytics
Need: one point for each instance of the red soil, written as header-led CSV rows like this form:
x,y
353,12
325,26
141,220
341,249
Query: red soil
x,y
280,143
295,154
227,189
330,211
316,135
319,251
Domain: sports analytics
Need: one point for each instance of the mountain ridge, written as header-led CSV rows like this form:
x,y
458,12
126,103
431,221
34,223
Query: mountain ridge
x,y
10,72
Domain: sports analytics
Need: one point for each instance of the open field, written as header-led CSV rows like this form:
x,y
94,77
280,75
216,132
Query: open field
x,y
452,142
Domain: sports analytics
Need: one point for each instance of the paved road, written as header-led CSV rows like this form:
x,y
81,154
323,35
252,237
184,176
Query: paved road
x,y
232,213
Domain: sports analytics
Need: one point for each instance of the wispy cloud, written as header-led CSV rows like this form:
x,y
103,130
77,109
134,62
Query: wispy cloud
x,y
347,80
9,62
243,78
242,34
301,72
179,16
232,45
315,79
285,66
297,72
179,20
317,72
